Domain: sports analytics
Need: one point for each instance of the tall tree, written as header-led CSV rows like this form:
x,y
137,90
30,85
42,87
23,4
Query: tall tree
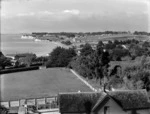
x,y
86,50
60,57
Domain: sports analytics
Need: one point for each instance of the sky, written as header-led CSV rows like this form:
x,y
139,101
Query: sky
x,y
26,16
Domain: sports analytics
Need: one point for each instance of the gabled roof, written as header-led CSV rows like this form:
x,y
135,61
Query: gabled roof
x,y
126,99
100,103
81,102
78,102
131,99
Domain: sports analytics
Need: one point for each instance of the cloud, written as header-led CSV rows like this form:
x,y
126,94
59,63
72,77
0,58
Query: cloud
x,y
75,15
3,14
46,12
40,13
141,1
25,14
13,0
74,12
52,23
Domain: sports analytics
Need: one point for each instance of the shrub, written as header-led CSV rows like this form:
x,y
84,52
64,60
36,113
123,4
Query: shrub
x,y
60,57
18,69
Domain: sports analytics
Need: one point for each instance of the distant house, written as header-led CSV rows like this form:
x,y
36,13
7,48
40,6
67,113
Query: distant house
x,y
114,102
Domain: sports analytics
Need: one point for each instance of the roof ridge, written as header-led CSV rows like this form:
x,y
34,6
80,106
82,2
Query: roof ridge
x,y
127,90
100,100
78,92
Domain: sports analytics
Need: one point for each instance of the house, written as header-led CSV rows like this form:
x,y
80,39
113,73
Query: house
x,y
114,102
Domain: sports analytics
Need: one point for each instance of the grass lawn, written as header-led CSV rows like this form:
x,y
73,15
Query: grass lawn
x,y
39,83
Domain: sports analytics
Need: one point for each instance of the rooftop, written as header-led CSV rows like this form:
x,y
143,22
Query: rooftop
x,y
83,101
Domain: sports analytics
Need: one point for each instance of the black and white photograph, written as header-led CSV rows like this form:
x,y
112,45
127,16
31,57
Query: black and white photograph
x,y
74,56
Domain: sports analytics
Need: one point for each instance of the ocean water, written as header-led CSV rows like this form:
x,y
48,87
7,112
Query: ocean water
x,y
13,44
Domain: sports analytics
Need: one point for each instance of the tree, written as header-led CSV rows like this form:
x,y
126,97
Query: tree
x,y
25,58
1,54
66,42
135,50
86,50
116,42
3,110
110,45
105,59
4,61
60,57
100,45
118,53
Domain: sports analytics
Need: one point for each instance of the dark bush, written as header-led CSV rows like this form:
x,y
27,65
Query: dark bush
x,y
37,64
18,69
60,57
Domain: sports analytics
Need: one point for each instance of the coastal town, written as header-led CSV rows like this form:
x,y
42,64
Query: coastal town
x,y
81,46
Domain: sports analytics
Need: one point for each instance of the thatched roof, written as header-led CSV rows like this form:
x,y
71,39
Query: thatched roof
x,y
87,101
78,102
131,99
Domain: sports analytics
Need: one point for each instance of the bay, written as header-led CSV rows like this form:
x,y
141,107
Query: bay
x,y
13,44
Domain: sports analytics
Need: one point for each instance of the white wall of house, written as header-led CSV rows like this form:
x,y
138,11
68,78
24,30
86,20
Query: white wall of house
x,y
114,108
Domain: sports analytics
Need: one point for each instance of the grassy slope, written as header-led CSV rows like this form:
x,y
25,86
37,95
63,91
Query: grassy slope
x,y
46,82
123,64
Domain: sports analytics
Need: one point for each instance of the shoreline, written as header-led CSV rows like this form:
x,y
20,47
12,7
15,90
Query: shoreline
x,y
40,54
47,46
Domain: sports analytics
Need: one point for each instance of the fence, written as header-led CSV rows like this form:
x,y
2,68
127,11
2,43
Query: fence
x,y
38,103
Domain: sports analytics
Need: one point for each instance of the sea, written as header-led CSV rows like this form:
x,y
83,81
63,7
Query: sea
x,y
13,44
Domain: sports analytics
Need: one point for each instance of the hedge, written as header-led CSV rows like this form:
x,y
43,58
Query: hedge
x,y
37,64
5,71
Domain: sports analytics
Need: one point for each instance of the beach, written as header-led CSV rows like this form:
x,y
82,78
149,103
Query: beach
x,y
13,44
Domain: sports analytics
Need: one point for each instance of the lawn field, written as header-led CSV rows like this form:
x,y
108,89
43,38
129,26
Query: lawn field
x,y
39,83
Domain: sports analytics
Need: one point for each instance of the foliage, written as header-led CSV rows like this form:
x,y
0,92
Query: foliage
x,y
4,61
60,57
66,42
119,53
136,76
1,54
86,50
25,58
135,50
93,65
3,110
141,33
110,45
5,71
100,45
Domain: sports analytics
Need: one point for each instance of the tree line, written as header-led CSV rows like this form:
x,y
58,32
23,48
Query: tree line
x,y
73,34
95,64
